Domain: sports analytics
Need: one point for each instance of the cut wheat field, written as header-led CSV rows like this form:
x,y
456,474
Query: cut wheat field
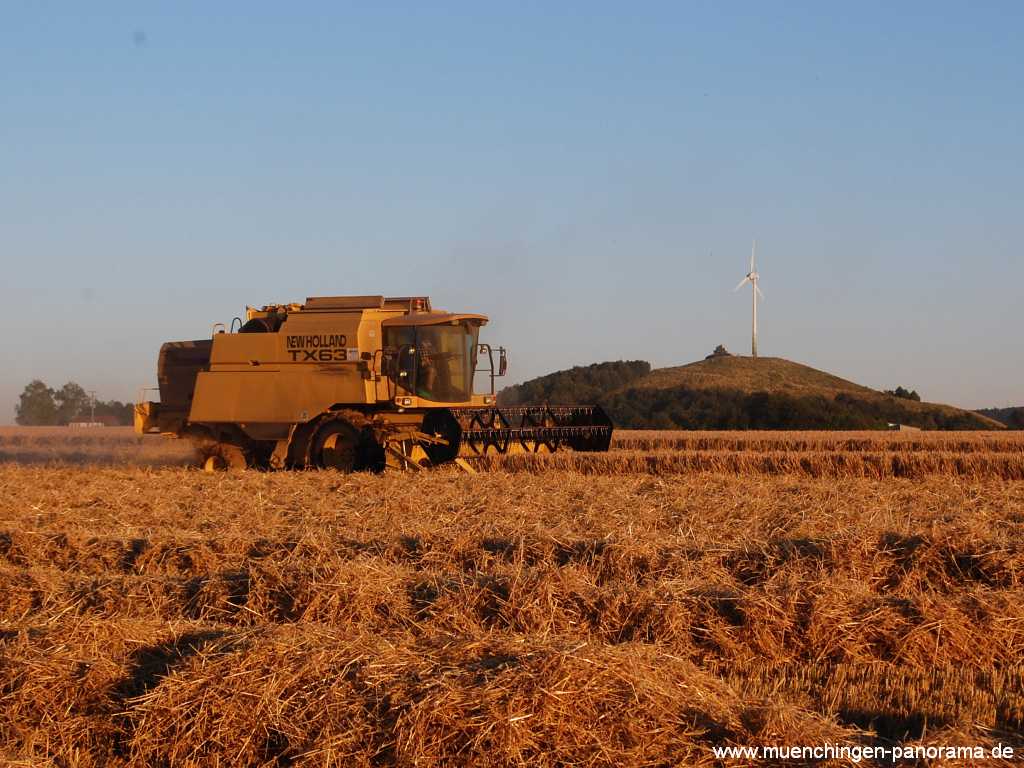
x,y
684,591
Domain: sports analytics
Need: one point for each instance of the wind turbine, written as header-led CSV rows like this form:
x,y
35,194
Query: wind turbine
x,y
752,278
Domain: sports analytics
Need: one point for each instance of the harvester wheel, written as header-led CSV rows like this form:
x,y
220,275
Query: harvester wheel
x,y
336,445
218,457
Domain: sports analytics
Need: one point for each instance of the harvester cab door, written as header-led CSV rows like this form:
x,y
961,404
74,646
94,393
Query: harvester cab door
x,y
406,369
398,363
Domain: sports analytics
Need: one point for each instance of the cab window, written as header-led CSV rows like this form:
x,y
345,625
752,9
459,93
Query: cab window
x,y
435,362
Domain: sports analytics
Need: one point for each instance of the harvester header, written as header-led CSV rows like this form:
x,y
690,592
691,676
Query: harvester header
x,y
353,383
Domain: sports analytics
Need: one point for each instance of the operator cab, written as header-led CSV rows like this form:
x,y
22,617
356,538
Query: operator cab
x,y
433,355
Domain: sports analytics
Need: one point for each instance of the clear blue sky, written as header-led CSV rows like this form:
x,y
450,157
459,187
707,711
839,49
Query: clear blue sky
x,y
590,175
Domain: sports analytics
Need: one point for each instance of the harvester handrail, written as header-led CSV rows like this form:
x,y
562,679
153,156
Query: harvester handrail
x,y
141,398
491,370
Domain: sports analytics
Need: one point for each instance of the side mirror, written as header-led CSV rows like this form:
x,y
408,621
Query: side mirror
x,y
502,362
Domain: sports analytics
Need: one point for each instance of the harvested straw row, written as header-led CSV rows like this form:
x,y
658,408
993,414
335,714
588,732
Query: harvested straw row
x,y
976,442
490,700
190,694
893,700
310,696
23,436
743,606
99,446
978,546
119,446
170,509
102,458
877,465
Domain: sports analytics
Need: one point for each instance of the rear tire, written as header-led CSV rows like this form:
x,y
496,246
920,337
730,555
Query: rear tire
x,y
219,457
336,446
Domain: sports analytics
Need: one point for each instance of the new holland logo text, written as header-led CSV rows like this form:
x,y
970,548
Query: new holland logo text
x,y
317,348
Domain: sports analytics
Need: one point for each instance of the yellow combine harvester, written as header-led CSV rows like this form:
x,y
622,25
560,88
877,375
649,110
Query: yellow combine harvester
x,y
352,383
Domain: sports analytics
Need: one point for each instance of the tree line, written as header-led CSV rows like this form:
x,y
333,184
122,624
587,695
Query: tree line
x,y
686,408
40,406
1011,417
904,394
583,384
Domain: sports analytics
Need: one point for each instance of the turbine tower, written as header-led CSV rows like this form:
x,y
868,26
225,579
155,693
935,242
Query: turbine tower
x,y
755,292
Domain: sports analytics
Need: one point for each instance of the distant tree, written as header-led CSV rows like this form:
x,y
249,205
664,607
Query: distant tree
x,y
72,403
904,394
36,406
114,413
39,405
1013,418
720,351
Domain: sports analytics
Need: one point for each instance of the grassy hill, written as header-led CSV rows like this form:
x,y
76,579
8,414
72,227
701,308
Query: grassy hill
x,y
748,374
732,392
777,375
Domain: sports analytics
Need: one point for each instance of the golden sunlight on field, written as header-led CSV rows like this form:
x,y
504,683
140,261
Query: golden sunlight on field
x,y
634,608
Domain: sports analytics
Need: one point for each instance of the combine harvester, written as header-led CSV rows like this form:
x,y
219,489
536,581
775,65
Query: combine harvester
x,y
351,383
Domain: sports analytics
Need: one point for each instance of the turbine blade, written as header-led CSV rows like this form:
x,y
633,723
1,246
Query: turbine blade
x,y
753,250
758,289
743,282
